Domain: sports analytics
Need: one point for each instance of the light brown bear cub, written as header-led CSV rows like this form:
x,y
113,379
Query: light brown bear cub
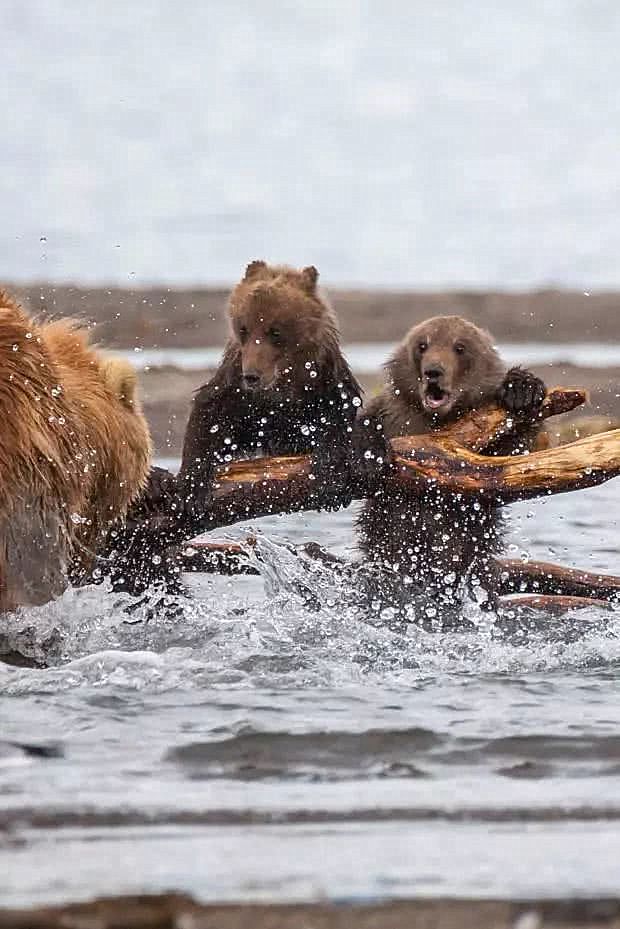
x,y
433,543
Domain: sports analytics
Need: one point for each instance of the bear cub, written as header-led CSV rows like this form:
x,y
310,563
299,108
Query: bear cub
x,y
435,543
282,387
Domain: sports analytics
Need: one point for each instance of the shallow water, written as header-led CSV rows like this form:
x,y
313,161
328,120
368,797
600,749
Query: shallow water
x,y
368,357
265,746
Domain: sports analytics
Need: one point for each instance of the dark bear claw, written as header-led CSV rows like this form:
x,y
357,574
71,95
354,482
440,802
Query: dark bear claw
x,y
521,392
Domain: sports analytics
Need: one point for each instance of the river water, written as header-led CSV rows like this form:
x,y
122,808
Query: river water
x,y
368,357
263,745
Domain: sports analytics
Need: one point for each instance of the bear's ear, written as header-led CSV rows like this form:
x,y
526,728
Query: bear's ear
x,y
309,277
254,269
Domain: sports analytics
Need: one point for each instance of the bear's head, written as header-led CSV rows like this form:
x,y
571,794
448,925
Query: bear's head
x,y
285,332
444,366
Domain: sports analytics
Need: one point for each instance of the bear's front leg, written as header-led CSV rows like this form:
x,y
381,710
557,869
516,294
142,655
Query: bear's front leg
x,y
159,493
333,477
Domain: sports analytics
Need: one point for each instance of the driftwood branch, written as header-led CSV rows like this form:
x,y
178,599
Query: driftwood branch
x,y
258,487
581,464
542,577
479,429
548,603
448,458
248,489
550,586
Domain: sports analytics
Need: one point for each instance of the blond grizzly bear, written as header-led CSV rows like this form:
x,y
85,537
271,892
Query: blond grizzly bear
x,y
74,452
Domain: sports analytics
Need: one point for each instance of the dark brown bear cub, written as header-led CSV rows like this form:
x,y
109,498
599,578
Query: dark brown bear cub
x,y
282,387
436,543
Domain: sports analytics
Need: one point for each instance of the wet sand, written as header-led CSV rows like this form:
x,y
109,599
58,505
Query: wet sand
x,y
173,911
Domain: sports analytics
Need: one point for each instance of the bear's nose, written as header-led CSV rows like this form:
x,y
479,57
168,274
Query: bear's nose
x,y
251,379
433,374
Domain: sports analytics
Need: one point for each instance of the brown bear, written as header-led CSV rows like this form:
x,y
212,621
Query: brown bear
x,y
431,544
282,387
74,452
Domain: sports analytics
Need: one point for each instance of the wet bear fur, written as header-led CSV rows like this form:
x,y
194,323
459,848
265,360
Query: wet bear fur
x,y
436,545
282,387
74,452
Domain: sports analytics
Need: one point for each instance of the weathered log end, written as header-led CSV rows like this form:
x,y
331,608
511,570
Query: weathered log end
x,y
552,604
543,577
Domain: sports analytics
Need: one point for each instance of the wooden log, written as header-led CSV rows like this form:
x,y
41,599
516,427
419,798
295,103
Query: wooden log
x,y
479,429
542,577
248,489
217,557
474,432
251,489
586,463
548,603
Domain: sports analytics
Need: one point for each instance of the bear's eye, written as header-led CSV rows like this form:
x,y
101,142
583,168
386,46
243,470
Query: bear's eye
x,y
459,348
275,335
243,333
422,346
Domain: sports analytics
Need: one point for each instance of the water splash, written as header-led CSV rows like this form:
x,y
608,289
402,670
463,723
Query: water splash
x,y
299,624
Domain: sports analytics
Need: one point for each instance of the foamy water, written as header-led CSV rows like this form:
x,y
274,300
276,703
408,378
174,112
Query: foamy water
x,y
273,726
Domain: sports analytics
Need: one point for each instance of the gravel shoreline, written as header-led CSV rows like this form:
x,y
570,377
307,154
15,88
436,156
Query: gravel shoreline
x,y
190,317
176,911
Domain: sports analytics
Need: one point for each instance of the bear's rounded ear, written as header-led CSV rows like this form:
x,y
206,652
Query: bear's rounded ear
x,y
309,277
254,269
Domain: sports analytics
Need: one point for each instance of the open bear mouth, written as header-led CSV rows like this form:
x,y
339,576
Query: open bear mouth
x,y
435,397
